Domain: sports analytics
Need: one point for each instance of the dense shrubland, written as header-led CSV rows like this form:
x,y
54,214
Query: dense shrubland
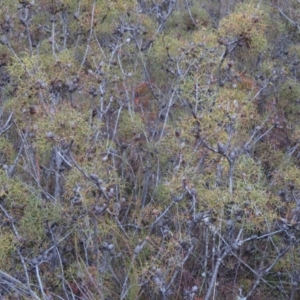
x,y
149,149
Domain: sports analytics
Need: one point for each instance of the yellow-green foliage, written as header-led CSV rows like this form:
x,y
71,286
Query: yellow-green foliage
x,y
181,47
39,66
207,37
7,150
130,125
249,21
167,147
294,50
182,22
230,106
30,71
158,56
249,172
162,193
63,125
8,244
287,174
35,217
103,12
289,95
22,66
268,157
6,7
27,211
149,122
290,92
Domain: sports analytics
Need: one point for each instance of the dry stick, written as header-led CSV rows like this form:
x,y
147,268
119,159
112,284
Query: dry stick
x,y
166,16
157,180
108,265
78,287
60,261
260,137
17,285
170,103
122,159
7,124
31,157
260,274
62,239
230,175
228,249
26,21
89,178
102,85
293,149
76,16
96,253
293,277
139,248
231,157
146,72
53,39
177,270
145,188
40,281
58,162
214,247
12,168
194,200
65,28
206,250
260,90
290,20
102,93
264,271
215,273
192,64
4,41
90,36
175,89
18,249
190,13
61,297
99,45
237,243
92,279
124,84
248,267
192,156
72,294
118,193
254,133
117,122
255,237
48,196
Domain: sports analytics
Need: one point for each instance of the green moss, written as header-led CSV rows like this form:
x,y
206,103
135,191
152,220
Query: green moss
x,y
8,245
289,99
65,125
183,21
250,23
130,126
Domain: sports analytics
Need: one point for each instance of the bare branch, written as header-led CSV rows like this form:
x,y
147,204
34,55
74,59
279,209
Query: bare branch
x,y
12,168
7,124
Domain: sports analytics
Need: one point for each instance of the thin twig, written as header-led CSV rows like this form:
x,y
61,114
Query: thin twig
x,y
12,168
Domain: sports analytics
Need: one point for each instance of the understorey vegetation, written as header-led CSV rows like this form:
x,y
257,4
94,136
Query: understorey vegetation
x,y
149,149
